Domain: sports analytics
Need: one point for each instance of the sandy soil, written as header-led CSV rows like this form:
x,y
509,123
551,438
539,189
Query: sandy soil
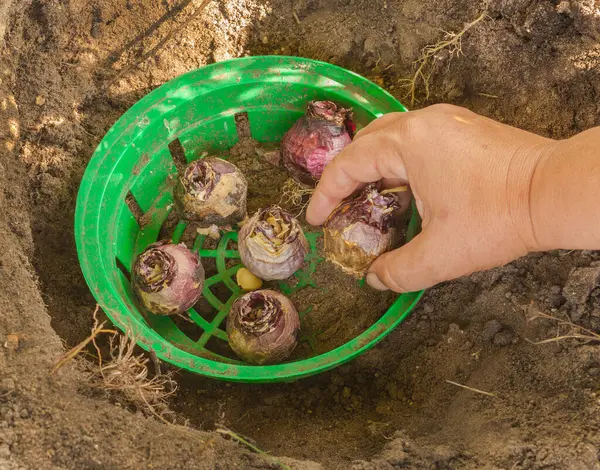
x,y
69,69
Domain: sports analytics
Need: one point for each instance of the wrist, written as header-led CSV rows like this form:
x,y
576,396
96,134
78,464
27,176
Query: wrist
x,y
526,175
565,193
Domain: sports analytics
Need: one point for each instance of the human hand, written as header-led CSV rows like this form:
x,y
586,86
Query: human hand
x,y
471,178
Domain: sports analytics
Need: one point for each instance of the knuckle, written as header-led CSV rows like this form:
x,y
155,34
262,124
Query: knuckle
x,y
377,124
445,108
412,126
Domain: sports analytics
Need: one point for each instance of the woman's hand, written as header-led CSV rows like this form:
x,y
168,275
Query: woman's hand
x,y
472,182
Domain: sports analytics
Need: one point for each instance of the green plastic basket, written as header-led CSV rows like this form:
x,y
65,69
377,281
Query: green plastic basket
x,y
125,198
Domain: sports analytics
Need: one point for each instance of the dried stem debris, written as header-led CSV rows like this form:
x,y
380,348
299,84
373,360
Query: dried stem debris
x,y
97,329
229,433
125,372
452,42
574,331
472,389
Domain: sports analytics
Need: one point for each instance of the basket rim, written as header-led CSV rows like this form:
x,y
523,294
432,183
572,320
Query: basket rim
x,y
109,300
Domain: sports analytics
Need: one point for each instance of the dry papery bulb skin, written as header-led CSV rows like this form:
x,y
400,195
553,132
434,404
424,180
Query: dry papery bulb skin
x,y
272,244
263,327
315,139
361,228
168,278
211,192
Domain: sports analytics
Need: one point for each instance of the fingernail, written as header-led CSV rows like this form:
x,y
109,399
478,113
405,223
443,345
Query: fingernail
x,y
375,283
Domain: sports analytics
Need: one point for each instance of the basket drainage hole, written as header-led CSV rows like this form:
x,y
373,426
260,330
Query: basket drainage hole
x,y
232,245
221,292
168,227
188,328
205,310
210,267
189,236
123,269
217,345
134,208
242,125
178,154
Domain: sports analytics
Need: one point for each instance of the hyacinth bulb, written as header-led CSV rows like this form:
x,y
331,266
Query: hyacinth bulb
x,y
263,327
272,244
361,228
168,278
315,139
211,191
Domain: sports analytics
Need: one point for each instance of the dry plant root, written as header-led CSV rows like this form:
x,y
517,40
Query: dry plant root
x,y
293,195
575,331
126,372
229,433
97,329
472,389
452,42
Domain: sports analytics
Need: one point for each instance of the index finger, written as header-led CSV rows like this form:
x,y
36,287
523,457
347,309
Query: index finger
x,y
371,158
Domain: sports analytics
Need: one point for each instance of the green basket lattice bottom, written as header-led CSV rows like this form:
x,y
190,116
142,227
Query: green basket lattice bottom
x,y
125,199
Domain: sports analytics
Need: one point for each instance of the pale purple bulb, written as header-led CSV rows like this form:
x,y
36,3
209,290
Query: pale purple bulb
x,y
168,278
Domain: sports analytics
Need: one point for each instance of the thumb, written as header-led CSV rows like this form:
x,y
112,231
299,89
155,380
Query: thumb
x,y
410,268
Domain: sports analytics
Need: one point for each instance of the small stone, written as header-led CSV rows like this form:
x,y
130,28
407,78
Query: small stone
x,y
4,451
503,338
490,329
24,414
265,39
428,308
508,295
594,371
40,100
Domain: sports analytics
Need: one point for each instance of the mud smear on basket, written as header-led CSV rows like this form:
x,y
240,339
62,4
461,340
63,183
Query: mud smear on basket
x,y
337,308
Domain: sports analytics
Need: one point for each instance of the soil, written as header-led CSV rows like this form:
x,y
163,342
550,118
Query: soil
x,y
69,69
